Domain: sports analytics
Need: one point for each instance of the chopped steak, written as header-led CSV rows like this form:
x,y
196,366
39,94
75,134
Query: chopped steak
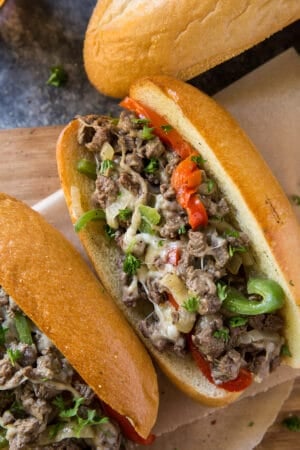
x,y
208,259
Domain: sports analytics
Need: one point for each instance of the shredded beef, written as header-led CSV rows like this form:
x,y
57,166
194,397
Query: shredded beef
x,y
128,183
23,432
106,191
227,367
200,282
203,338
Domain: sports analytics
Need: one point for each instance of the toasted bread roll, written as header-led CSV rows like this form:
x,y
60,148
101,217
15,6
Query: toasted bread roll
x,y
126,40
52,285
258,204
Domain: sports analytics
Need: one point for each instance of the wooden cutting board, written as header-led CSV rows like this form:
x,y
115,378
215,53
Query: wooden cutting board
x,y
28,172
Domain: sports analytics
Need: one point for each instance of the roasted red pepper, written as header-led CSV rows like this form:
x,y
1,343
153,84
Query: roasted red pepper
x,y
126,427
173,301
243,380
173,256
186,178
169,136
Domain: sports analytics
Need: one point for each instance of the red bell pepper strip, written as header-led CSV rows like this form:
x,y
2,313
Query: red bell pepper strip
x,y
173,301
126,427
171,137
243,380
186,178
173,256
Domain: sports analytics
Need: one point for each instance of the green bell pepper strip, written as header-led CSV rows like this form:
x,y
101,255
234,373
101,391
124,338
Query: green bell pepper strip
x,y
93,214
23,328
270,291
88,168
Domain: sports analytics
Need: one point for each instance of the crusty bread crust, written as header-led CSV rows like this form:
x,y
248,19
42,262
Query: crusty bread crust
x,y
259,205
51,283
126,40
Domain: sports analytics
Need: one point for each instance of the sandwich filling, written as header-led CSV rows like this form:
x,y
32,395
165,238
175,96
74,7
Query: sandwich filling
x,y
183,257
44,403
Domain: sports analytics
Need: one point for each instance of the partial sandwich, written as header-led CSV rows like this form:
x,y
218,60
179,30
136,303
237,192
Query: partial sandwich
x,y
73,373
191,234
126,40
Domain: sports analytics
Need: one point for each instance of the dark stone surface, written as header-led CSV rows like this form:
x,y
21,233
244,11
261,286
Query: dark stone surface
x,y
38,34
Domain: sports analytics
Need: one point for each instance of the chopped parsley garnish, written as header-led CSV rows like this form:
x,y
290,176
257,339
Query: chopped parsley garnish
x,y
232,233
92,419
166,128
58,76
191,304
250,424
210,184
285,351
232,250
237,321
3,331
198,159
109,231
222,333
160,243
152,166
124,214
72,412
182,230
295,199
106,165
222,291
13,355
292,423
131,264
147,133
141,121
54,429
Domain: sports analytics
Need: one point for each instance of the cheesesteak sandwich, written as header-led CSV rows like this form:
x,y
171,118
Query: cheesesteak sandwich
x,y
73,375
190,233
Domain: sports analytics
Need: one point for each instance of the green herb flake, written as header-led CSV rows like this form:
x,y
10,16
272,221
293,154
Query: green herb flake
x,y
250,424
13,355
106,165
59,403
160,243
232,250
3,331
222,291
285,351
182,230
210,184
191,304
232,233
295,199
58,76
72,412
140,121
92,419
198,159
124,214
23,328
131,264
222,333
152,166
166,128
54,429
147,133
292,423
109,231
238,321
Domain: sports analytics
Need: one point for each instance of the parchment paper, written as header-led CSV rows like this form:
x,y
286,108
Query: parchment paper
x,y
267,104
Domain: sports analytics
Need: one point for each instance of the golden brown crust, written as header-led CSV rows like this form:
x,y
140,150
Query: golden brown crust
x,y
127,40
262,209
51,283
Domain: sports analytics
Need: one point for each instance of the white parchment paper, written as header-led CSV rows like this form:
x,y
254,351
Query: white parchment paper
x,y
266,103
